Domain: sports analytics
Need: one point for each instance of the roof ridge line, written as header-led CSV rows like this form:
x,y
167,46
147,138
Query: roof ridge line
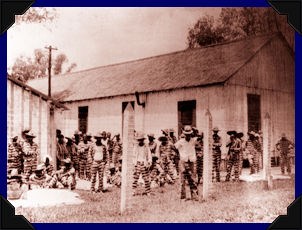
x,y
166,54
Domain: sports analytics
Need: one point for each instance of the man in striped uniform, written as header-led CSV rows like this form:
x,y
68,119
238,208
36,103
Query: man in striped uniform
x,y
14,185
39,179
65,177
167,152
233,155
88,136
283,146
240,138
30,152
199,156
142,162
117,150
187,164
216,154
83,148
14,158
62,152
77,140
251,151
99,155
48,166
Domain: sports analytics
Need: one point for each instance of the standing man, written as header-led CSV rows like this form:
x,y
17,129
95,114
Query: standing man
x,y
99,155
117,150
233,154
283,146
14,158
30,151
187,164
62,152
240,138
216,154
142,162
199,157
166,155
88,136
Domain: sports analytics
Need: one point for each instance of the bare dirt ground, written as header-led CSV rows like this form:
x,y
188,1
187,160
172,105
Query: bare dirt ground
x,y
242,202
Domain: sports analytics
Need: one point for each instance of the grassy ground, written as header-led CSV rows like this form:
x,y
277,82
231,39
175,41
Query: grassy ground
x,y
229,202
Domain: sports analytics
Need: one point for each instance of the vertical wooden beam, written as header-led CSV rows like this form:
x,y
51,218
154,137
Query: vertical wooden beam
x,y
127,163
22,109
11,110
40,124
52,136
207,157
266,151
30,105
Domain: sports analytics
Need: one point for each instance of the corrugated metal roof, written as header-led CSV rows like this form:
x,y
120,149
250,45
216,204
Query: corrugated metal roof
x,y
188,68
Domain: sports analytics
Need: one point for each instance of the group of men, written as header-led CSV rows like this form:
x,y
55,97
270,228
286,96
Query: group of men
x,y
157,161
25,169
170,158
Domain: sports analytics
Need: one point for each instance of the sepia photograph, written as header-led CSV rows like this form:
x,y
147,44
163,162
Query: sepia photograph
x,y
150,115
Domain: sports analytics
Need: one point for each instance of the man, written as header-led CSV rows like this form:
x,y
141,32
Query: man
x,y
62,152
172,137
283,146
14,157
199,157
173,140
216,154
152,144
65,177
240,138
39,179
142,162
48,166
99,155
166,155
88,137
73,153
83,148
109,146
233,156
14,185
30,152
117,150
251,150
187,164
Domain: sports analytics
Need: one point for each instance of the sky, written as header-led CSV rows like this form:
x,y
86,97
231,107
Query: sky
x,y
93,37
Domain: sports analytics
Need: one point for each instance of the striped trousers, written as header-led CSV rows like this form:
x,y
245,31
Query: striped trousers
x,y
83,167
285,162
233,161
188,173
139,169
97,167
216,165
168,168
199,167
30,165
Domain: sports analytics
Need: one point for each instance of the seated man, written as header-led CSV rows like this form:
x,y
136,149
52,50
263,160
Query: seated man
x,y
65,177
14,185
39,179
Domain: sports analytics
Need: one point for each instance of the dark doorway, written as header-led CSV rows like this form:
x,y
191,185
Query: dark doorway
x,y
186,114
83,119
254,112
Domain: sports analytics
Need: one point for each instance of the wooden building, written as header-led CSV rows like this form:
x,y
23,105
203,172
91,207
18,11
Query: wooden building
x,y
30,108
239,82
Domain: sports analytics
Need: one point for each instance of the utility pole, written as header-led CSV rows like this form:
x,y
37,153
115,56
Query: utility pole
x,y
51,124
50,48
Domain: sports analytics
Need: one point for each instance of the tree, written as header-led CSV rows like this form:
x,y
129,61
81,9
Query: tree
x,y
37,15
203,33
235,23
26,68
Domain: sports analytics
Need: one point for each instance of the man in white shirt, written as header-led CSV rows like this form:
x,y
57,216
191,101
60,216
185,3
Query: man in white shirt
x,y
187,164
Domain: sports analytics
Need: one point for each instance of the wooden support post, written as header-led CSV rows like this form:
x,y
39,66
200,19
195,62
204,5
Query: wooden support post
x,y
52,136
266,151
127,163
30,106
207,157
40,126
